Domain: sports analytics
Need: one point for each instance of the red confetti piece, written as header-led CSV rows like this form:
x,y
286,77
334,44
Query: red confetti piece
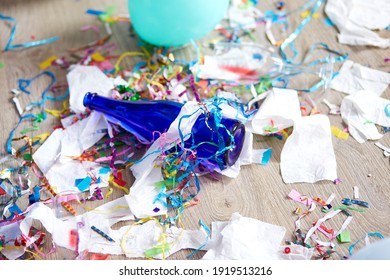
x,y
98,257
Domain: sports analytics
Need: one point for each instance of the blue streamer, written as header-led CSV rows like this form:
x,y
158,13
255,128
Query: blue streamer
x,y
301,8
293,36
370,234
94,12
341,57
24,84
208,234
11,136
9,45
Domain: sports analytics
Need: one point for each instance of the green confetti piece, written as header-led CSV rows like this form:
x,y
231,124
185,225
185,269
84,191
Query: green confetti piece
x,y
264,85
27,157
344,237
342,207
2,65
33,128
156,250
164,183
118,143
270,129
39,117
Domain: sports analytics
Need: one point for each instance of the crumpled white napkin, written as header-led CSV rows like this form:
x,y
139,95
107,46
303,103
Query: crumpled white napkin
x,y
83,79
353,77
131,240
243,238
279,110
308,154
355,20
361,111
54,157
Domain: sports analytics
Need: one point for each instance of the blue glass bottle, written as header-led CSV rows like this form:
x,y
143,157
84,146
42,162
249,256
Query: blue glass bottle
x,y
144,118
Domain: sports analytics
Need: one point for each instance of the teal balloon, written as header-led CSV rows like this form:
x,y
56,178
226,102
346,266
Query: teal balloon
x,y
175,22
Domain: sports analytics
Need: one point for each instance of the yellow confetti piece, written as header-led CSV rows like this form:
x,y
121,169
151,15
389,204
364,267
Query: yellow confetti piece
x,y
48,62
58,113
108,194
305,14
41,137
96,56
339,133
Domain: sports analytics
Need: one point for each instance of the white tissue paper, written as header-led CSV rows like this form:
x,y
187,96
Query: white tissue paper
x,y
353,77
355,20
54,157
84,79
10,233
244,238
297,252
308,154
361,111
279,110
140,238
131,240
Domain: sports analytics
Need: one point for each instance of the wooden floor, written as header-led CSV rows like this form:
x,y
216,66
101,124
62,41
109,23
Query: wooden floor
x,y
259,191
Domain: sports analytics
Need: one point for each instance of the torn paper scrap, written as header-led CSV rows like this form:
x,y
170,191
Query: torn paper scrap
x,y
134,240
353,77
308,154
243,238
295,252
59,229
361,111
355,20
261,156
54,157
142,199
84,79
11,231
103,217
145,240
277,112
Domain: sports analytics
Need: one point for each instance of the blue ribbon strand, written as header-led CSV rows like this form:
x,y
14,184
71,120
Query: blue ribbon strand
x,y
293,36
23,85
9,45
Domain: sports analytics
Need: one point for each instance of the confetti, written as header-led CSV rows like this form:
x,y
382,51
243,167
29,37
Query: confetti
x,y
339,133
48,62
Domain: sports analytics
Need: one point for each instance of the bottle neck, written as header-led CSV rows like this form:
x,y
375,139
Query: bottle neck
x,y
145,119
